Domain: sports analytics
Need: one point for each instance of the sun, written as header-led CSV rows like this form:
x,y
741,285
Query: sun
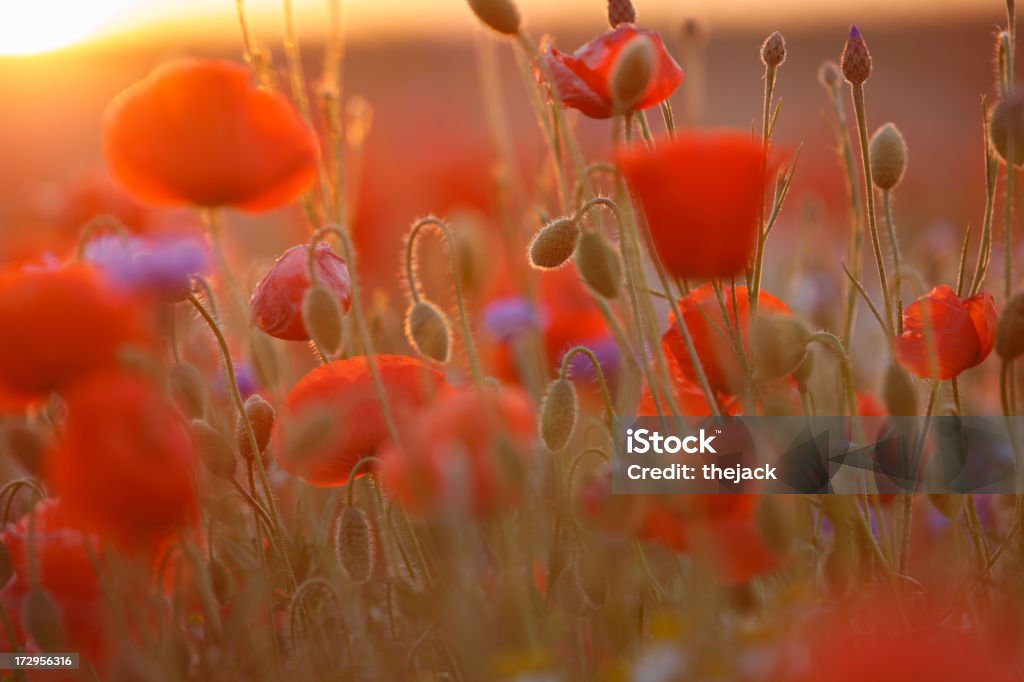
x,y
32,26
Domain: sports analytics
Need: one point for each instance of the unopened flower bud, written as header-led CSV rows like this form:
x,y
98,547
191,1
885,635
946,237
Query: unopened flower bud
x,y
631,72
214,450
41,619
598,264
802,373
321,313
899,392
778,344
353,544
1006,128
773,50
888,153
261,417
1010,330
856,60
621,12
428,331
554,244
558,414
187,390
500,15
829,75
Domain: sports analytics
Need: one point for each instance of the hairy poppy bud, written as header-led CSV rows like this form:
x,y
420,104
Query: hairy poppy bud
x,y
501,15
554,244
888,152
778,344
353,544
1006,128
188,390
41,619
428,331
221,583
621,12
261,417
1010,330
631,72
899,392
856,60
802,373
214,450
829,75
558,414
773,51
598,264
321,314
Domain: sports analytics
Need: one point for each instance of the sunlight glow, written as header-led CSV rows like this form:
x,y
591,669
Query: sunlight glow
x,y
32,26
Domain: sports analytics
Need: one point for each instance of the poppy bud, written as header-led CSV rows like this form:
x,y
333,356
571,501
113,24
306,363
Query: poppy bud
x,y
558,414
41,619
471,258
631,72
501,15
948,505
261,417
621,12
321,314
264,358
554,244
353,544
888,153
773,51
221,583
188,390
899,392
829,75
598,264
214,450
802,373
778,344
428,331
856,60
1010,330
1006,127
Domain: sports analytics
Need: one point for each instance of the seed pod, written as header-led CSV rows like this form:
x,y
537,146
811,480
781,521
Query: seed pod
x,y
554,244
221,583
621,12
598,264
41,619
888,154
214,450
899,392
856,60
631,72
321,313
558,414
949,505
427,329
500,15
261,417
188,390
778,345
773,51
829,75
353,544
1010,330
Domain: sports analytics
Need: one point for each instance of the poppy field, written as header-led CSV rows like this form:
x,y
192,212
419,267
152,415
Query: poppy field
x,y
382,449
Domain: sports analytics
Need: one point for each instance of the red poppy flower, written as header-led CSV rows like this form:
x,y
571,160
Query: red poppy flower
x,y
703,316
465,455
61,562
59,325
332,417
198,132
124,464
276,303
583,78
965,332
702,194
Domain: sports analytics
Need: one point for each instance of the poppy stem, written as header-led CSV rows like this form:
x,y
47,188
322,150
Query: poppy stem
x,y
770,71
857,90
894,244
991,171
835,344
907,499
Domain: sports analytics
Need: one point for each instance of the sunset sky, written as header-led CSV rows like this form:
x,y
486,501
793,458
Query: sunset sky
x,y
28,26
